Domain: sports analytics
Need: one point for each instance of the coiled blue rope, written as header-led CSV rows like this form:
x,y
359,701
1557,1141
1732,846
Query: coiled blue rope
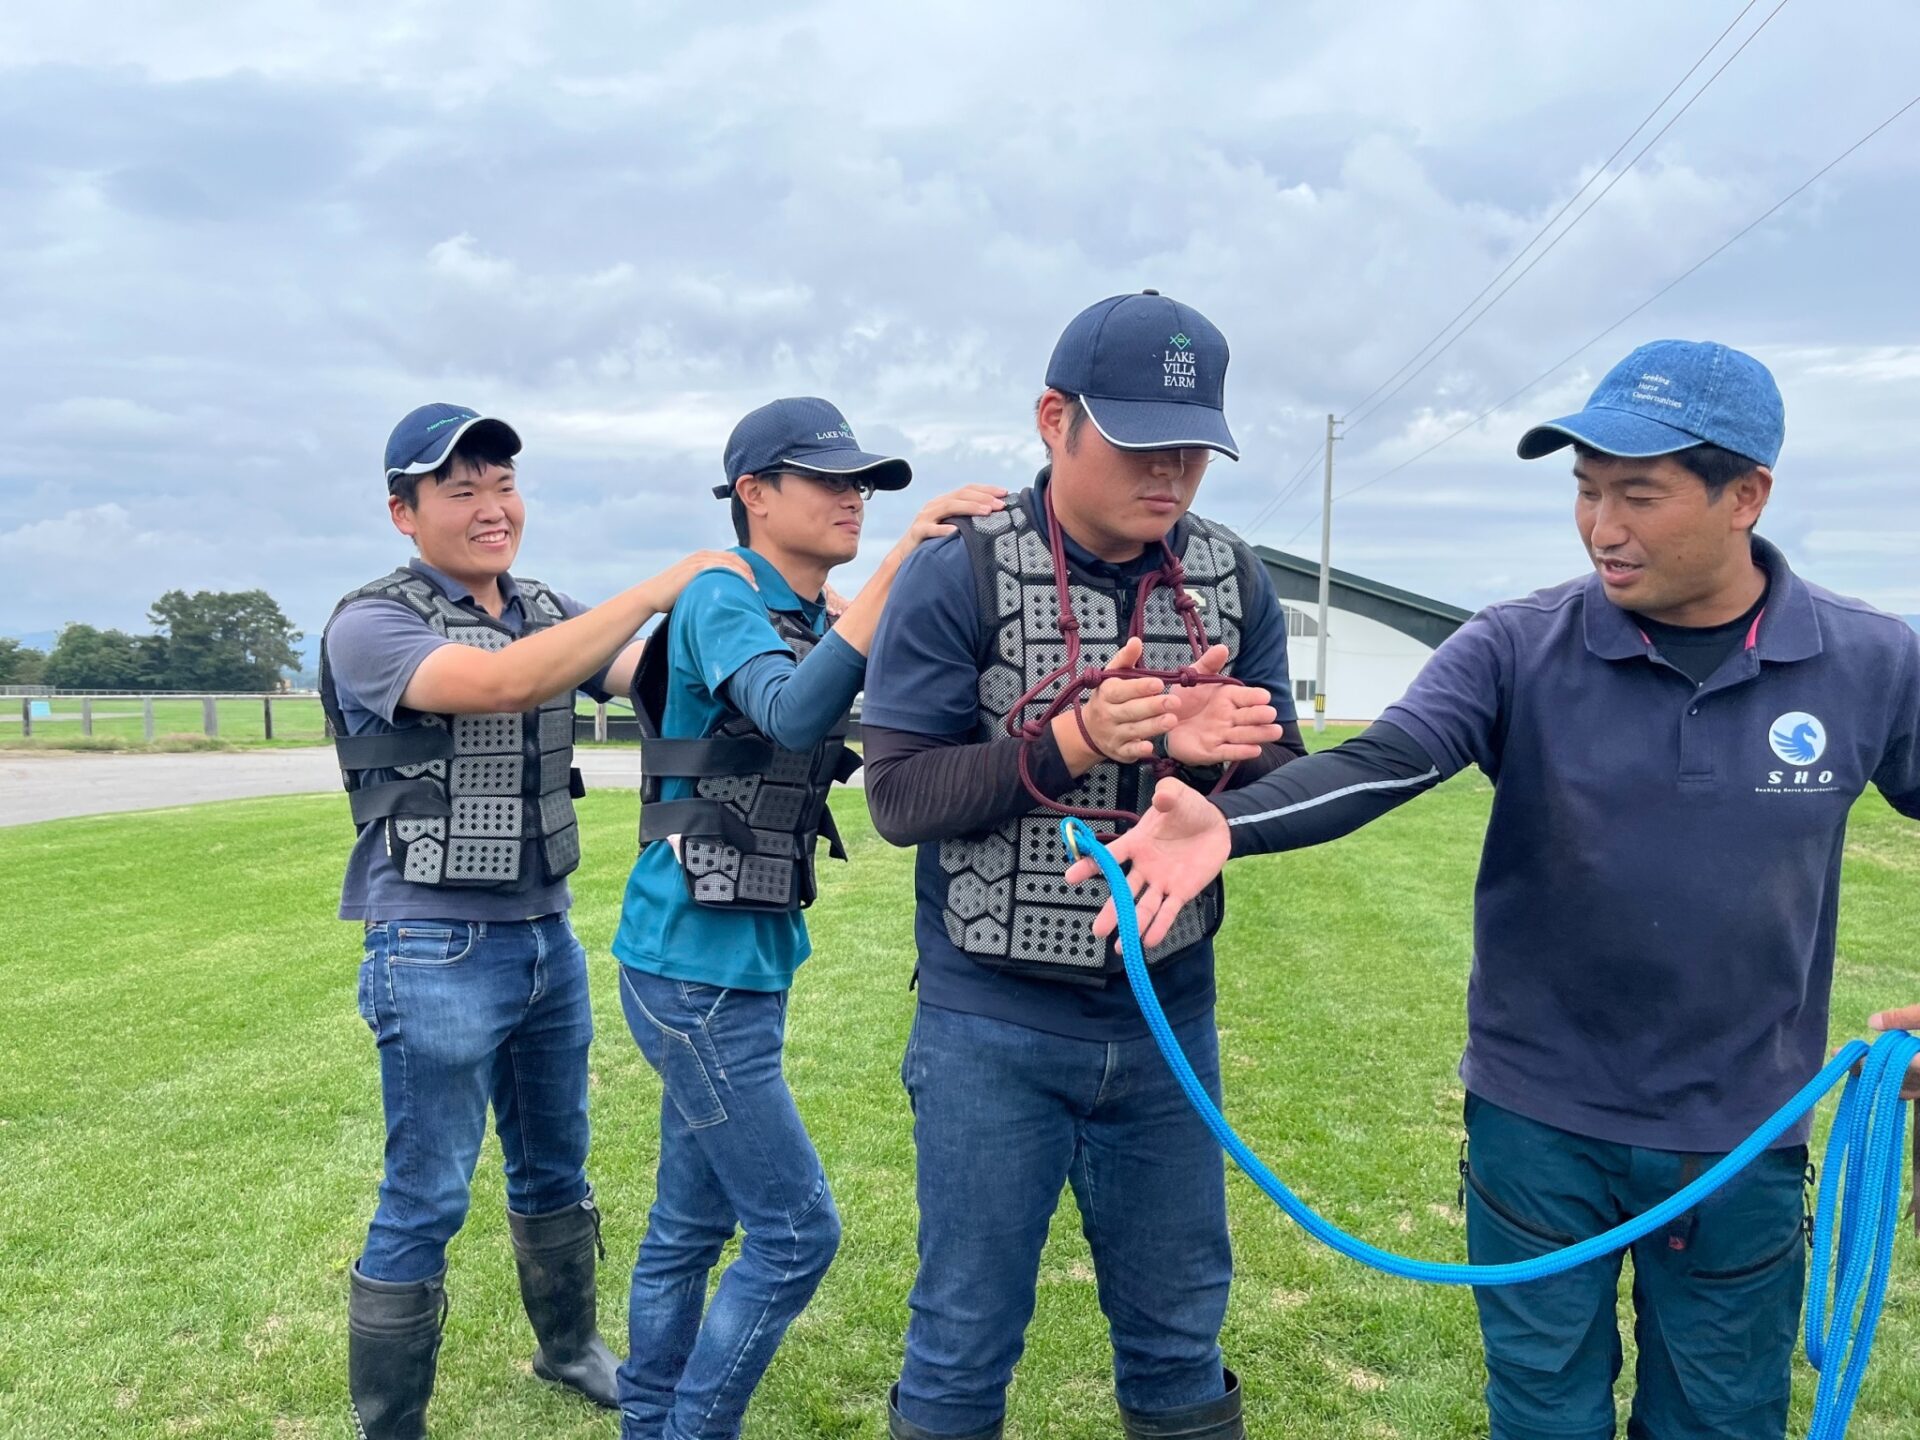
x,y
1852,1242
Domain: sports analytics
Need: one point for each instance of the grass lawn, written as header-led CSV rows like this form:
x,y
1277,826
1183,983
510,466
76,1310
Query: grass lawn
x,y
119,724
190,1138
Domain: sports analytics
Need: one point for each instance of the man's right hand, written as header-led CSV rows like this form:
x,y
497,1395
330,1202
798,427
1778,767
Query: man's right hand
x,y
663,589
1172,854
1122,717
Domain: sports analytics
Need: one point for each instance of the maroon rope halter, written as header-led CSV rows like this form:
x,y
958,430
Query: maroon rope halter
x,y
1076,681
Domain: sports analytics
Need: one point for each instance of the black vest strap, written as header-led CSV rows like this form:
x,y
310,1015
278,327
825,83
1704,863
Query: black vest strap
x,y
398,797
717,755
698,819
388,751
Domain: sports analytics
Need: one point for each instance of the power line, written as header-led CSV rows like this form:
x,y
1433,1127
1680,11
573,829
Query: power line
x,y
1602,169
1284,493
1546,250
1744,230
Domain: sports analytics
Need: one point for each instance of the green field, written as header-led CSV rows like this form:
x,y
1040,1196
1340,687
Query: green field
x,y
190,1138
119,723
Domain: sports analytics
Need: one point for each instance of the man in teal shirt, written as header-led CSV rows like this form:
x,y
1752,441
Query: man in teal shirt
x,y
710,931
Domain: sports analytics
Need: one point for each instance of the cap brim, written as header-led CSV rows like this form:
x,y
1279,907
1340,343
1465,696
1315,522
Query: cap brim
x,y
1160,425
884,471
434,461
1611,432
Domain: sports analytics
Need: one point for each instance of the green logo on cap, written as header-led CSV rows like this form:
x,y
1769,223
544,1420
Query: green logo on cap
x,y
1180,341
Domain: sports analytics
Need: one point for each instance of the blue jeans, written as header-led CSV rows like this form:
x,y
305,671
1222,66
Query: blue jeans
x,y
466,1014
733,1152
1716,1296
1003,1117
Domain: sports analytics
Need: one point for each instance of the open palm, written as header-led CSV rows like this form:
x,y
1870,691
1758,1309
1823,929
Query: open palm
x,y
1172,854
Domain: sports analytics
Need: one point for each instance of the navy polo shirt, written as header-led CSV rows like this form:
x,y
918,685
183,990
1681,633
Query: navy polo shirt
x,y
923,677
1654,916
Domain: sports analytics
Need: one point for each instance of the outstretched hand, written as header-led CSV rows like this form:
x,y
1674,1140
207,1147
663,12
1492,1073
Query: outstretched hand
x,y
1903,1019
1172,854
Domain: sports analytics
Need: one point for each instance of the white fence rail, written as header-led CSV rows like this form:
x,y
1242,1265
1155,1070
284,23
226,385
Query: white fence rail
x,y
36,707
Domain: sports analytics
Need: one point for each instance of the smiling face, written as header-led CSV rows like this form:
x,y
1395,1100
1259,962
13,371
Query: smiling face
x,y
467,525
1664,544
1115,502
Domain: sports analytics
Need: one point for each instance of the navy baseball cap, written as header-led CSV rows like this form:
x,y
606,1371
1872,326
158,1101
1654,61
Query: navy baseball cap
x,y
1671,395
1151,372
423,439
808,435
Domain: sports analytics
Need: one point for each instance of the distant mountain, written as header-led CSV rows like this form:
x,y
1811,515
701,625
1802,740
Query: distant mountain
x,y
1913,620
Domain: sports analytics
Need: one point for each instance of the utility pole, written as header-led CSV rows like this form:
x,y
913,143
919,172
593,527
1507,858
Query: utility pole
x,y
1326,586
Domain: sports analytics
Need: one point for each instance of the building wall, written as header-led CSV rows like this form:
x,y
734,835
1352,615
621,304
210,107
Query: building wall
x,y
1369,664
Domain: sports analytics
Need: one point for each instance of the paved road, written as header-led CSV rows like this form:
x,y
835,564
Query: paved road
x,y
54,784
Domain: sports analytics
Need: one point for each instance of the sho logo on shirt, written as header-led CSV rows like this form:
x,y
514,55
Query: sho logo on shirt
x,y
1798,738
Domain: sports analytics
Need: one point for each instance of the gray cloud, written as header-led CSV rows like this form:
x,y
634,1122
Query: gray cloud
x,y
237,252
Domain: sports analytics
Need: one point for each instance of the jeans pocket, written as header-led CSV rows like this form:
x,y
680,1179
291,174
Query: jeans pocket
x,y
702,1001
418,944
682,1071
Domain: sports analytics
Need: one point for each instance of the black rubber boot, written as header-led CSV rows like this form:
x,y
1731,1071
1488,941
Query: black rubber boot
x,y
901,1428
555,1255
393,1341
1209,1420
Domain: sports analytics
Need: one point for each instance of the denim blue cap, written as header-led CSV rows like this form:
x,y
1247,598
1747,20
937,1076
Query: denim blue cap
x,y
1151,372
425,437
808,435
1670,395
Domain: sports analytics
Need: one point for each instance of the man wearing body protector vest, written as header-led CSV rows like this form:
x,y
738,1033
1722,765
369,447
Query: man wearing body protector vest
x,y
1675,741
743,698
448,686
1029,1065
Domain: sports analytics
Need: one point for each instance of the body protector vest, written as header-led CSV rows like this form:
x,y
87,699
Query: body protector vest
x,y
745,837
1007,905
473,801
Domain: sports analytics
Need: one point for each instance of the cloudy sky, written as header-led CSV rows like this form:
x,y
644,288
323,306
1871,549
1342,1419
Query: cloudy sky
x,y
234,252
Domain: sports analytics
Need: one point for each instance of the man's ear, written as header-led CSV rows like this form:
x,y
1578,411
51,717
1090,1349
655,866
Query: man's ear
x,y
403,517
1050,417
1750,493
752,491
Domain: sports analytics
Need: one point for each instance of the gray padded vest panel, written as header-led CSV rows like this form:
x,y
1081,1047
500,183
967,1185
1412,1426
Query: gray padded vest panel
x,y
1006,903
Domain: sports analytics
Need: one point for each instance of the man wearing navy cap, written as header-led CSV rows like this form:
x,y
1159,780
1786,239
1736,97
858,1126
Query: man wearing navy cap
x,y
743,697
1029,1067
448,687
1675,742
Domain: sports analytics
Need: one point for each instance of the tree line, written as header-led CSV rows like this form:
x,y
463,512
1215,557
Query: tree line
x,y
209,640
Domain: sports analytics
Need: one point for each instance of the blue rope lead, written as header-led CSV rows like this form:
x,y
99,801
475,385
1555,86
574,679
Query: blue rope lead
x,y
1852,1246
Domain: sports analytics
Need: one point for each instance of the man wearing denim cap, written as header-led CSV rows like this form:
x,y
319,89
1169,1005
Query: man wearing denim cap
x,y
448,687
1675,741
742,698
1029,1067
